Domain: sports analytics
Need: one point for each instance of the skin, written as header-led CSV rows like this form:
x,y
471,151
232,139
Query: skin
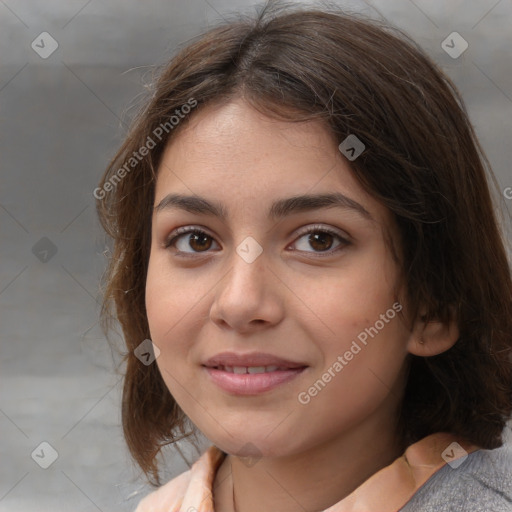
x,y
289,302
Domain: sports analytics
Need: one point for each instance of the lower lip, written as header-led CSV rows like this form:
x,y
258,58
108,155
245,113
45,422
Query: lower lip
x,y
251,383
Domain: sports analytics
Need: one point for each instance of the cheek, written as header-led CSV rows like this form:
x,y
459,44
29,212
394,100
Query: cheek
x,y
356,313
356,377
164,311
166,308
351,299
175,301
160,303
172,296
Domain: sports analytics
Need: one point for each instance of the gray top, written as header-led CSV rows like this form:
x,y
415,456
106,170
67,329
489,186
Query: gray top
x,y
482,483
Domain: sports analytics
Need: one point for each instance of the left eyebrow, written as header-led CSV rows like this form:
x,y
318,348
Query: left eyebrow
x,y
279,209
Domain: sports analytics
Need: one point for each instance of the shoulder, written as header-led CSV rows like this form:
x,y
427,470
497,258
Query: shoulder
x,y
483,481
192,488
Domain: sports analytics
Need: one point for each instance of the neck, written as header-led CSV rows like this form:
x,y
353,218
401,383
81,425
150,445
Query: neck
x,y
312,480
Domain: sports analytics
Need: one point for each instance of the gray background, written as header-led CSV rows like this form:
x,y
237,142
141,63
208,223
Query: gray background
x,y
61,119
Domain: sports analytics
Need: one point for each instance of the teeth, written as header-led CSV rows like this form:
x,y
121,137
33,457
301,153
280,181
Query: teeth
x,y
250,369
257,369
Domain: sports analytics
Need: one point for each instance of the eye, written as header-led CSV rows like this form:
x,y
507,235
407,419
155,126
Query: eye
x,y
321,239
197,240
192,240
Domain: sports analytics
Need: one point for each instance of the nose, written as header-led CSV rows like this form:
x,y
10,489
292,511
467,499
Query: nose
x,y
249,297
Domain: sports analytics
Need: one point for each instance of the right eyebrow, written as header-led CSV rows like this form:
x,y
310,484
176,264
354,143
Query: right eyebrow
x,y
192,204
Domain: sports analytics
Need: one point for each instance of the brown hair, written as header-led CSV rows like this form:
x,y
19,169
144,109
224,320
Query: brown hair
x,y
422,161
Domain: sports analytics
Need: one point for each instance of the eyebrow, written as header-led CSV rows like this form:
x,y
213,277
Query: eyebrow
x,y
279,209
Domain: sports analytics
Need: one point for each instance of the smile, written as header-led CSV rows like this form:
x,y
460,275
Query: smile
x,y
251,373
249,369
251,380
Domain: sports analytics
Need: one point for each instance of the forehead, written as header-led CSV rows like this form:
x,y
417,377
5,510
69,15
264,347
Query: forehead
x,y
245,160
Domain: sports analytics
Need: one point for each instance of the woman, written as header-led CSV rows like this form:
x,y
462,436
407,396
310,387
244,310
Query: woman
x,y
307,238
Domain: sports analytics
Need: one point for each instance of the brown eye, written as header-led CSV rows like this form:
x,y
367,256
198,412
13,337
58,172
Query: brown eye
x,y
190,241
321,241
200,242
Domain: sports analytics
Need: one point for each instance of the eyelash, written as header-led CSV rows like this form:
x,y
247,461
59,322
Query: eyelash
x,y
178,233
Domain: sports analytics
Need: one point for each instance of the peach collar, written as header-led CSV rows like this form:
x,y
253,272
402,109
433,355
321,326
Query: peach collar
x,y
393,486
388,490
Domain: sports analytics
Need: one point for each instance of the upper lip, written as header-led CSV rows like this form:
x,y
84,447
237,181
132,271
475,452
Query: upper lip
x,y
252,359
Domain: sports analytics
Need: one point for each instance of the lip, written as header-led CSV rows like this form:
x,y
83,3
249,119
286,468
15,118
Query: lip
x,y
247,383
251,359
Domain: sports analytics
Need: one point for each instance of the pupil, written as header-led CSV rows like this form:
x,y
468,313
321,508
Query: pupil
x,y
323,238
196,237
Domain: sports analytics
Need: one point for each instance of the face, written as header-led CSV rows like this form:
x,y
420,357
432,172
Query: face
x,y
276,320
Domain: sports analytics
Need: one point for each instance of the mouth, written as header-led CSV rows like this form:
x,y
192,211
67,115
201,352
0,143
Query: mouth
x,y
240,370
251,374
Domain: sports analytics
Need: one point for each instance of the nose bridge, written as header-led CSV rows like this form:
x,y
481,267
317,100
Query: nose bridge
x,y
248,263
245,294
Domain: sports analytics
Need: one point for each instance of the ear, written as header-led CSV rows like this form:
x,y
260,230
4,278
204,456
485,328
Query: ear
x,y
432,338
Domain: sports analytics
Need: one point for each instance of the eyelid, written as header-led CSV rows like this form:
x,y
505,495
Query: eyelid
x,y
184,230
327,229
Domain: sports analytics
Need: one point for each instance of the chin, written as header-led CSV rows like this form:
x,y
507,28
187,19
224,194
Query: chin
x,y
253,446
